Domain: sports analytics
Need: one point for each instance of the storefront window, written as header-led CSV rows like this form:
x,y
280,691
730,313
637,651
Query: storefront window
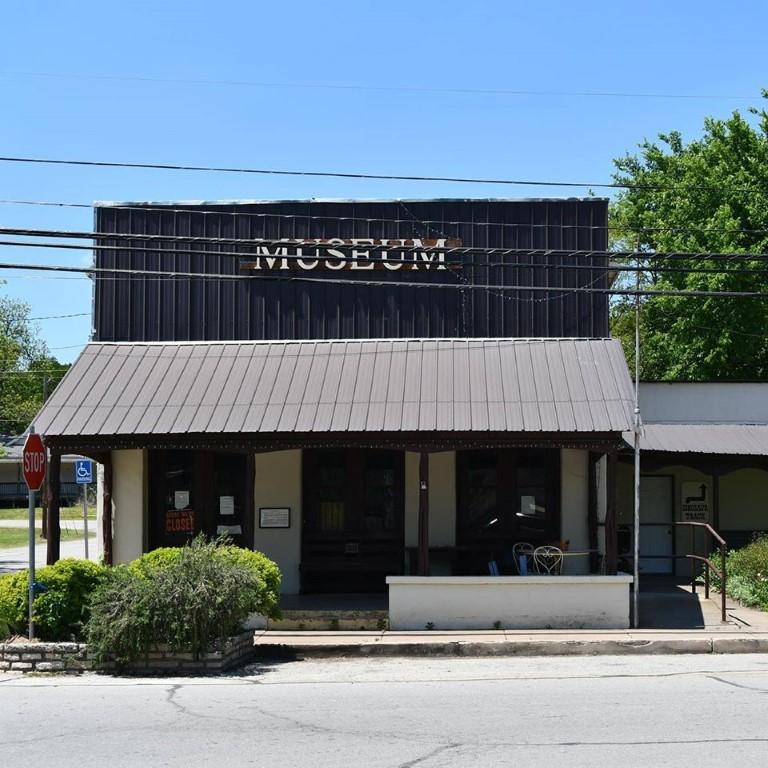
x,y
331,472
504,497
181,519
531,492
380,492
192,492
481,493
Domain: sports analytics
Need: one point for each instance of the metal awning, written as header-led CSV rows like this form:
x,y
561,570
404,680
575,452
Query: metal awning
x,y
384,386
723,439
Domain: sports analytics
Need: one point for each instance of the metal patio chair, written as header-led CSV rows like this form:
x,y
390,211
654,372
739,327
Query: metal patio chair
x,y
523,548
548,560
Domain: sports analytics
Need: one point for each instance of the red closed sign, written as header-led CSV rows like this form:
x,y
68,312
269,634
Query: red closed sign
x,y
33,461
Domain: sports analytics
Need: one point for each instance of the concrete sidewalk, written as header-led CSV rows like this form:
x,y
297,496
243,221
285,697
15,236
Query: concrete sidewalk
x,y
17,558
297,645
746,631
65,524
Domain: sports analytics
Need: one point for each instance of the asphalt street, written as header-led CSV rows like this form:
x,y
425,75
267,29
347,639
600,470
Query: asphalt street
x,y
602,711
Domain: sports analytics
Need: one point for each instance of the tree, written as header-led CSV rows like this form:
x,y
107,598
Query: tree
x,y
25,366
708,195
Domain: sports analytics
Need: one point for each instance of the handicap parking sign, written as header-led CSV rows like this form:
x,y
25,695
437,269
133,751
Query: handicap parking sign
x,y
84,471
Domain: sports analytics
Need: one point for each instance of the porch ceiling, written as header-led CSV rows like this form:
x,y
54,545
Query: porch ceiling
x,y
382,386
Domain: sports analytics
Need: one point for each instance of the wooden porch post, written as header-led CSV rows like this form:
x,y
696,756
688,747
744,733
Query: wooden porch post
x,y
716,498
592,494
611,537
106,521
423,565
53,550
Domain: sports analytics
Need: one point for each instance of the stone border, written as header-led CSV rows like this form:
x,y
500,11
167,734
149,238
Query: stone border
x,y
73,658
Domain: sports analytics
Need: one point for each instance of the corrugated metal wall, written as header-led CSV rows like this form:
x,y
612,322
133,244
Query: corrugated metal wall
x,y
138,308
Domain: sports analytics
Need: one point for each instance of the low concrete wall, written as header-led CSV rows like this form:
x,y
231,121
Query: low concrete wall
x,y
509,602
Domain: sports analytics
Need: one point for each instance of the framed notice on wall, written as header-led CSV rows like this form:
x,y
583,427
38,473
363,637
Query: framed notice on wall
x,y
274,517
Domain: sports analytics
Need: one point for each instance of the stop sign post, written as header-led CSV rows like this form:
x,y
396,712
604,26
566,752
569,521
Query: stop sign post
x,y
33,463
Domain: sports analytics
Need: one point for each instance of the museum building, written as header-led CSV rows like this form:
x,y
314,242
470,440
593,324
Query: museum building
x,y
369,391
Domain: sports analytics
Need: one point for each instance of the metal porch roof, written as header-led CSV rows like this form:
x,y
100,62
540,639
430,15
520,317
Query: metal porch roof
x,y
724,439
466,385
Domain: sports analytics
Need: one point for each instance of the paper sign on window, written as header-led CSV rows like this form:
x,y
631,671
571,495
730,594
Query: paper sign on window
x,y
179,521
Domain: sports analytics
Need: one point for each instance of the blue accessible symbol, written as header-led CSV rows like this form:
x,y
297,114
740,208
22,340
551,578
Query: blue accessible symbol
x,y
84,471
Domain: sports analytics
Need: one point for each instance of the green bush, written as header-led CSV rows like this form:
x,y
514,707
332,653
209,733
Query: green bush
x,y
747,573
264,568
61,608
186,599
152,561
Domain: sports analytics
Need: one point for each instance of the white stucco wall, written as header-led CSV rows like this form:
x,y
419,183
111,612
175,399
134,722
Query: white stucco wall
x,y
515,602
574,502
442,499
128,504
278,484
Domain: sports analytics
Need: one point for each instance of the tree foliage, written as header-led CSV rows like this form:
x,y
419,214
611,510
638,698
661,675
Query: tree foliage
x,y
24,361
707,195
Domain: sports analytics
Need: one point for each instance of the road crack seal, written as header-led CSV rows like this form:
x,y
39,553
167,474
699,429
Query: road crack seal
x,y
737,685
429,755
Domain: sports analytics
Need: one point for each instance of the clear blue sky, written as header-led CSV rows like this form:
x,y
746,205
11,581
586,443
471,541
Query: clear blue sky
x,y
71,86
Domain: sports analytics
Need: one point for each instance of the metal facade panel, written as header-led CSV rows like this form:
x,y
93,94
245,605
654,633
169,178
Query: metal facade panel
x,y
140,308
416,385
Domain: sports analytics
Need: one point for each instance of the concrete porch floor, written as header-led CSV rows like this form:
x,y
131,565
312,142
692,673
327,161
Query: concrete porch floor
x,y
667,604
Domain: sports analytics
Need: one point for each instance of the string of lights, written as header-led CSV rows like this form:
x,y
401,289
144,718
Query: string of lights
x,y
173,208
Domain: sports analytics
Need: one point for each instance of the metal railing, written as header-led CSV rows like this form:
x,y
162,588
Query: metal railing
x,y
694,558
15,491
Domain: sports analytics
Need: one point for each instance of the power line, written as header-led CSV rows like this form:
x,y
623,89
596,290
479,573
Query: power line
x,y
451,266
385,88
376,176
200,211
384,283
61,317
327,244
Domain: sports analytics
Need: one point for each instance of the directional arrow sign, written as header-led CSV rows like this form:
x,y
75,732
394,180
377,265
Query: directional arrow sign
x,y
33,461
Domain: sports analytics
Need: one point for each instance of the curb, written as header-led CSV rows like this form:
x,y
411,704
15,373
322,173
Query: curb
x,y
708,645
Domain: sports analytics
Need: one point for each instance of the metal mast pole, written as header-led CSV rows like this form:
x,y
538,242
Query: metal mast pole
x,y
637,427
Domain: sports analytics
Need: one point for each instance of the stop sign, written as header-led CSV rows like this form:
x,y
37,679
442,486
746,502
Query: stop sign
x,y
33,461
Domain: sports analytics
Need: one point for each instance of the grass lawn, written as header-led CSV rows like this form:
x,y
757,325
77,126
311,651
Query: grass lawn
x,y
17,537
67,513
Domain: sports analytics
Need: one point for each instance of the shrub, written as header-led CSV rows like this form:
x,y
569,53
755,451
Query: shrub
x,y
61,609
265,569
186,599
747,573
152,561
